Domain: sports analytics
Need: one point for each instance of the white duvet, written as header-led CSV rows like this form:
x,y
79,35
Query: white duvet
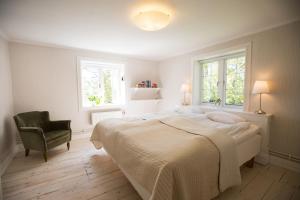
x,y
221,135
130,135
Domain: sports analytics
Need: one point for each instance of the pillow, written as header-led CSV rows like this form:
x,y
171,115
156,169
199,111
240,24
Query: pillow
x,y
189,109
224,117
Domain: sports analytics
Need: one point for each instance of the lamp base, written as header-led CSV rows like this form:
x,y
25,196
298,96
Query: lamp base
x,y
260,112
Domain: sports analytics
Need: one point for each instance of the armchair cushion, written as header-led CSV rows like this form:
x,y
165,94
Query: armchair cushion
x,y
59,125
53,135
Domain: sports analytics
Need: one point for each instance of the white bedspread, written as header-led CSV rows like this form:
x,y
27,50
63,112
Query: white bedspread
x,y
220,135
157,147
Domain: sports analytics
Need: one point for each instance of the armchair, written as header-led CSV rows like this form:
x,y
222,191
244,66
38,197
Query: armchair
x,y
39,133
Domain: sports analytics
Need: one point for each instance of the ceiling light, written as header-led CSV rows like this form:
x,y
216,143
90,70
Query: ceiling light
x,y
152,15
152,20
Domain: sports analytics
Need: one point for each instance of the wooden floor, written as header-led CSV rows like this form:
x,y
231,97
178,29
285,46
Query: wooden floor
x,y
87,173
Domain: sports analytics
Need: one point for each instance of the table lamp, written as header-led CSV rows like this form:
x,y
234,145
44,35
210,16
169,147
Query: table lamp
x,y
185,88
260,87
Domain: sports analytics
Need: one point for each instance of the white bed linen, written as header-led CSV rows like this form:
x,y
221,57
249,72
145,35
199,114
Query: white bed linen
x,y
229,173
246,150
241,135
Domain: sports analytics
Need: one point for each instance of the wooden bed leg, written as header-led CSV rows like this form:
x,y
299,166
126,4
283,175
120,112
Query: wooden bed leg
x,y
250,163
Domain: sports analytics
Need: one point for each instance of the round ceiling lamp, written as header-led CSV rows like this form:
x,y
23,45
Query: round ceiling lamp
x,y
152,20
152,15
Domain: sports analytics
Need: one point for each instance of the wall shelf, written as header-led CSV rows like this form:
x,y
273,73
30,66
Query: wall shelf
x,y
145,93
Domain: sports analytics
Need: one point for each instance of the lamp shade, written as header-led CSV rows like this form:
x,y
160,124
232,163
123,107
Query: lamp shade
x,y
260,87
185,87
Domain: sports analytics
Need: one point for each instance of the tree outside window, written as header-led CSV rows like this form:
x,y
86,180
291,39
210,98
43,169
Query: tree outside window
x,y
223,80
101,84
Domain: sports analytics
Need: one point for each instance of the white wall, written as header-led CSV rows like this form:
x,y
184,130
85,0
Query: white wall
x,y
275,57
45,78
7,137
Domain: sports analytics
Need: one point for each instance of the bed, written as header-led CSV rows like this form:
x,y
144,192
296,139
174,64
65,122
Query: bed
x,y
181,155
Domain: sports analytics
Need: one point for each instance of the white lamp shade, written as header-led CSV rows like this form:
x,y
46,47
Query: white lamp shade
x,y
260,87
185,87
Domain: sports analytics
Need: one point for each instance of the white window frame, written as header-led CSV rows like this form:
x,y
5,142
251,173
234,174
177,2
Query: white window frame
x,y
232,51
106,64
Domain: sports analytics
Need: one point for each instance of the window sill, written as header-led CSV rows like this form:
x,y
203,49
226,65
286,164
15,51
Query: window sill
x,y
102,108
222,108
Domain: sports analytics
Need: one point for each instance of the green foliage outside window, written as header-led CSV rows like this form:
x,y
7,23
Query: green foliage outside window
x,y
98,86
234,79
96,100
107,87
210,82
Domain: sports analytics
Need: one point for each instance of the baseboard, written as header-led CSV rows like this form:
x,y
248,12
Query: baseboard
x,y
4,165
80,136
8,159
83,131
1,196
284,163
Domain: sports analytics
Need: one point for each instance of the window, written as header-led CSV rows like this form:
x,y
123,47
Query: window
x,y
222,80
101,84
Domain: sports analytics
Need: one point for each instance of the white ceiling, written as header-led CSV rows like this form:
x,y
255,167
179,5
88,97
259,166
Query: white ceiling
x,y
104,25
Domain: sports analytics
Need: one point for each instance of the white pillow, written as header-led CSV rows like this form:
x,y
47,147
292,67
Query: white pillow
x,y
224,117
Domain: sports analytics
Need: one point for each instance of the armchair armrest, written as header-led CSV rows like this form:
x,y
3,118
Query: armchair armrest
x,y
32,129
33,138
60,125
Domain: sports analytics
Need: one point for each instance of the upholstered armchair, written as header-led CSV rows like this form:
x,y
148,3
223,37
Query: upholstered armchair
x,y
39,133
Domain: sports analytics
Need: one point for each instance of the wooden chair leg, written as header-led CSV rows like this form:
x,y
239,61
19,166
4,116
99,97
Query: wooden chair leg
x,y
45,156
27,152
68,145
250,163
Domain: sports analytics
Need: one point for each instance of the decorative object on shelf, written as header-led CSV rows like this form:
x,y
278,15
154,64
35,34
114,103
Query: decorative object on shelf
x,y
154,85
146,84
185,88
260,87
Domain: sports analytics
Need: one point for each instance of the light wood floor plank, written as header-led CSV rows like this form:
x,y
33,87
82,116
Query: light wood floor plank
x,y
86,173
279,191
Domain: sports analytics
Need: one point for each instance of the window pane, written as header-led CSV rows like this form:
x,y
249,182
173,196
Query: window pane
x,y
235,80
111,86
90,79
209,87
100,85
